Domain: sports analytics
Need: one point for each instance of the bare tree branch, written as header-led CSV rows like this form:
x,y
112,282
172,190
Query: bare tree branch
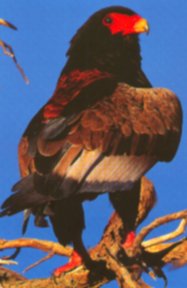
x,y
123,276
170,236
7,262
7,50
126,270
44,245
47,257
156,223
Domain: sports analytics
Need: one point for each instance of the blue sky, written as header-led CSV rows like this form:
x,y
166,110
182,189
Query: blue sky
x,y
44,31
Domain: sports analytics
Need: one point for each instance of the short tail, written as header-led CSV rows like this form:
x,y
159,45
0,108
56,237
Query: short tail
x,y
26,196
32,195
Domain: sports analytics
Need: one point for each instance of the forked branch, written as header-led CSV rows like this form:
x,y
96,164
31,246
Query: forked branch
x,y
127,271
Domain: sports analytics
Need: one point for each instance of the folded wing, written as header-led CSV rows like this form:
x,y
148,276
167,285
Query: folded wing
x,y
104,147
113,142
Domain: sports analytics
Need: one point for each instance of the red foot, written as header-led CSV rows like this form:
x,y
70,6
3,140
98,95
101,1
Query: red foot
x,y
129,240
75,261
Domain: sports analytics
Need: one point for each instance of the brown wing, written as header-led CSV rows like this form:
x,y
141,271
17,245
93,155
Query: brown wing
x,y
133,129
143,119
106,148
113,143
133,120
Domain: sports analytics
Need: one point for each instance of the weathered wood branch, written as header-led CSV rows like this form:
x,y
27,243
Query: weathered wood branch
x,y
46,246
80,276
126,270
138,243
7,50
170,236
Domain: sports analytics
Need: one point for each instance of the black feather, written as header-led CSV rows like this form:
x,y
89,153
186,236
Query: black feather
x,y
45,164
40,221
27,214
27,183
27,195
58,128
68,219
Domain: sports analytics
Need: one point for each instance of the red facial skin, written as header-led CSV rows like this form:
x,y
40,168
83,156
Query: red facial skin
x,y
121,23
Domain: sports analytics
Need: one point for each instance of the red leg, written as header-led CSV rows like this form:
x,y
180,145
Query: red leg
x,y
129,239
126,204
75,261
79,256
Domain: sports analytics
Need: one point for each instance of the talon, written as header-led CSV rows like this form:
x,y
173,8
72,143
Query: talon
x,y
129,240
159,273
75,261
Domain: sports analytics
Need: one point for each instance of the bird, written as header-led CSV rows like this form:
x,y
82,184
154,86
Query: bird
x,y
103,128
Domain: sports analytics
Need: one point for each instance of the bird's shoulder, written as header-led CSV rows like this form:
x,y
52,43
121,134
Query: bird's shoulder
x,y
75,91
71,86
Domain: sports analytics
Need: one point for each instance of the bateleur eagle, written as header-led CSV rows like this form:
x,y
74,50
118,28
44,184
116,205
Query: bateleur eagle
x,y
101,131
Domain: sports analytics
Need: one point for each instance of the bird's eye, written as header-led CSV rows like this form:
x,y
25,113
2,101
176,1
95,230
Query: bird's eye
x,y
107,20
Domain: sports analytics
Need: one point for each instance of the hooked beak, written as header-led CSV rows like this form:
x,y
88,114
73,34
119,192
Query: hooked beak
x,y
7,24
141,26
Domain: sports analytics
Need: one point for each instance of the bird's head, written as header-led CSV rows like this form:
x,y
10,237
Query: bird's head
x,y
123,22
108,38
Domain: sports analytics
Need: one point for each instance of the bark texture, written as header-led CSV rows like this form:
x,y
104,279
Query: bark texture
x,y
112,261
